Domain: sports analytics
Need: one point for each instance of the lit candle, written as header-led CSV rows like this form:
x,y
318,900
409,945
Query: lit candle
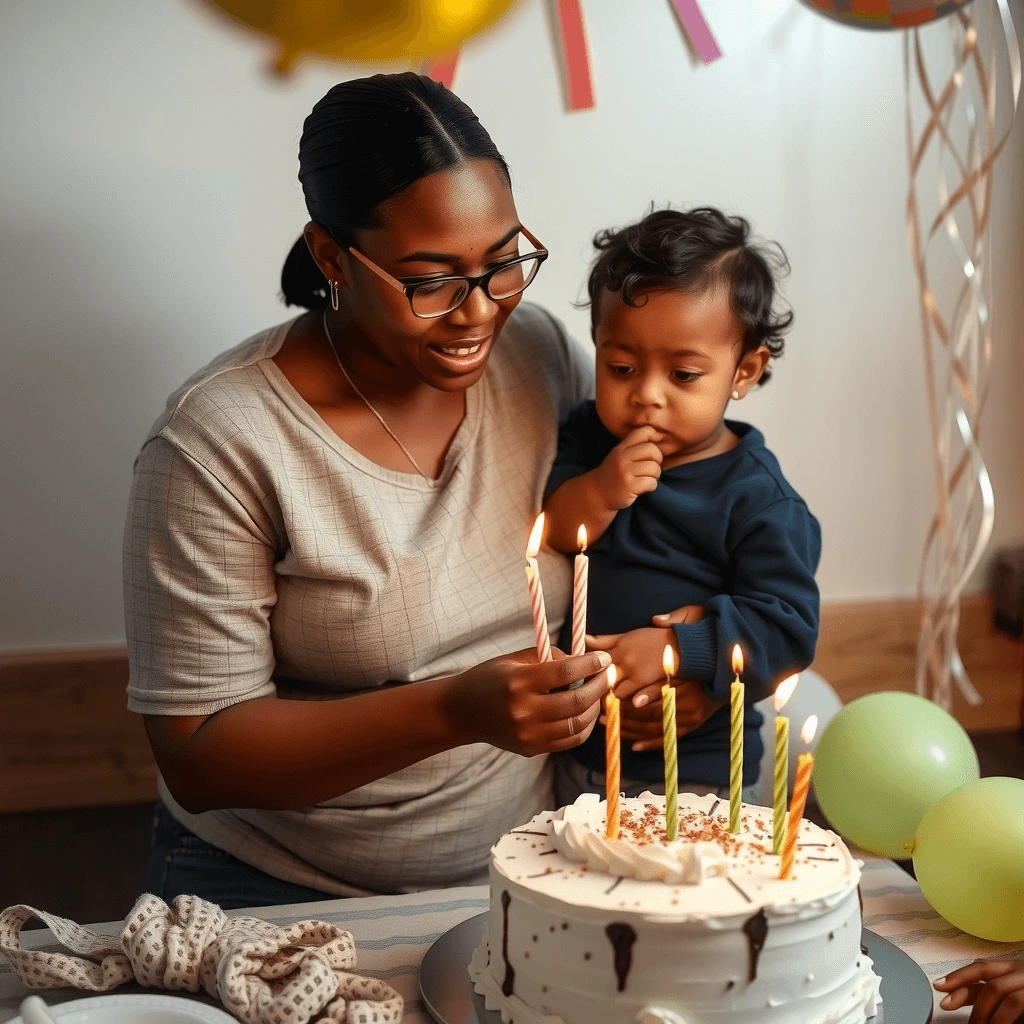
x,y
579,595
736,743
540,616
612,760
782,694
668,723
804,764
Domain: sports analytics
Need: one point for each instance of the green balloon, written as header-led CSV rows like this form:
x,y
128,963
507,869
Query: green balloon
x,y
969,858
882,762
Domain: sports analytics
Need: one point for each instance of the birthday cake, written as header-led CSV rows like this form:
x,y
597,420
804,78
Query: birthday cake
x,y
585,930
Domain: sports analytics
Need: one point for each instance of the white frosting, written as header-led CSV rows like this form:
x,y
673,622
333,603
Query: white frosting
x,y
578,832
688,957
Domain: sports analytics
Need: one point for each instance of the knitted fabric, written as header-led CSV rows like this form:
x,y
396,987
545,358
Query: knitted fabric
x,y
262,973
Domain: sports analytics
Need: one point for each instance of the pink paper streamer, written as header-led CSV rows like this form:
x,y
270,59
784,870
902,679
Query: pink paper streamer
x,y
696,27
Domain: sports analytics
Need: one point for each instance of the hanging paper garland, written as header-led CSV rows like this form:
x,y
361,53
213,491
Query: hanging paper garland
x,y
696,27
579,88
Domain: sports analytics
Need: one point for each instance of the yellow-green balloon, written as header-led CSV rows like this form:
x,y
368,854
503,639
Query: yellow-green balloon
x,y
969,858
882,762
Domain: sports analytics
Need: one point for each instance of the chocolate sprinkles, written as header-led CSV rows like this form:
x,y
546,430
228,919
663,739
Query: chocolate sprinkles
x,y
713,806
544,834
612,887
831,860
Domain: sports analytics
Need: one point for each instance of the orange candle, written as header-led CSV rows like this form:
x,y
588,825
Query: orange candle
x,y
804,764
612,758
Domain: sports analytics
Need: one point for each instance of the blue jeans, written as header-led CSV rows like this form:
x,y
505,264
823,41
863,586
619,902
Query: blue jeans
x,y
180,862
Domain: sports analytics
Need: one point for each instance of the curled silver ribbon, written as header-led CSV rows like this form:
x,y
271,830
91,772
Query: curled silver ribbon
x,y
956,334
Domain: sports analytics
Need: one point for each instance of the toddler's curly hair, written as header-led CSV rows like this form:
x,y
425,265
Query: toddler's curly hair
x,y
696,251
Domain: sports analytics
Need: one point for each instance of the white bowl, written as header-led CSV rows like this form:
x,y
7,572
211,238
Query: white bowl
x,y
141,1008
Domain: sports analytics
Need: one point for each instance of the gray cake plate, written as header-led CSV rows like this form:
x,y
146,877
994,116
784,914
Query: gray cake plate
x,y
450,999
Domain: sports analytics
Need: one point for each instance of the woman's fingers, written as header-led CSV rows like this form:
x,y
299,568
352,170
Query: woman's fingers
x,y
564,670
980,970
575,702
570,731
994,993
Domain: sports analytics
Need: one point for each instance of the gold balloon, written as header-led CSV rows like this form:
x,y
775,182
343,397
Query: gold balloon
x,y
363,31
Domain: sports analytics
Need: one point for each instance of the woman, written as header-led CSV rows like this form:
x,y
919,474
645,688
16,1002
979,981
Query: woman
x,y
339,506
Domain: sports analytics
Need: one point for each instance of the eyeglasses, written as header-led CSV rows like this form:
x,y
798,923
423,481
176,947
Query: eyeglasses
x,y
435,296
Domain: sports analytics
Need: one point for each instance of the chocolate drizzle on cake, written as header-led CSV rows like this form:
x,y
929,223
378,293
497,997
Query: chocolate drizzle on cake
x,y
622,938
510,974
756,930
860,900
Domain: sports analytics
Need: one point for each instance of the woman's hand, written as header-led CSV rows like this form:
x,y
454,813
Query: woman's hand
x,y
995,988
644,725
508,702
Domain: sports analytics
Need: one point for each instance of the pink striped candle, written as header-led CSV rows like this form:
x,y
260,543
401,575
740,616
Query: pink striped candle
x,y
579,595
540,617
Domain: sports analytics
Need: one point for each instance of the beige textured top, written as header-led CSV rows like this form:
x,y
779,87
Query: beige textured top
x,y
262,554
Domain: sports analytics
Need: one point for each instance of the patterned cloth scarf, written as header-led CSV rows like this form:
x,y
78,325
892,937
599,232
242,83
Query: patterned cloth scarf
x,y
262,973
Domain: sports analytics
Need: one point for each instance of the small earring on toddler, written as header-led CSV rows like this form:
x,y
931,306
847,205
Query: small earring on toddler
x,y
735,396
333,285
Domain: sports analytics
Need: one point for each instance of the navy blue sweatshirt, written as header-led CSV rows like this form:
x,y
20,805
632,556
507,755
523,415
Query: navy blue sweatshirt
x,y
727,533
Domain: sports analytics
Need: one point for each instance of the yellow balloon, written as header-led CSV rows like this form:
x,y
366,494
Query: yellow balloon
x,y
363,30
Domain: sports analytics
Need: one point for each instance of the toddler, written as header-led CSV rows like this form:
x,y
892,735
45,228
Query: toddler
x,y
683,508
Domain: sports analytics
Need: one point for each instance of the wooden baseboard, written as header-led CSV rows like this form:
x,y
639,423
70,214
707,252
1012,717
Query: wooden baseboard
x,y
872,646
67,739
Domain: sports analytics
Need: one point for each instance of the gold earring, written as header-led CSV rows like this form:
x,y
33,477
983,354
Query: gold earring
x,y
334,294
736,396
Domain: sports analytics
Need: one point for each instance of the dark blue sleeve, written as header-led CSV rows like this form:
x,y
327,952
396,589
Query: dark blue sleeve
x,y
771,611
577,451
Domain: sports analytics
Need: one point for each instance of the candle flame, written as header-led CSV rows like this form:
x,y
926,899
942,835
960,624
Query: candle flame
x,y
668,661
613,676
536,536
810,727
784,691
737,660
581,538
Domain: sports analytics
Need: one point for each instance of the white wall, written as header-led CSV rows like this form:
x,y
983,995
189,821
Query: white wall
x,y
148,166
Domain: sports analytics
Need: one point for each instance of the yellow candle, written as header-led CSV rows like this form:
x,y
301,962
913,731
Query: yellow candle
x,y
781,779
804,764
579,595
612,759
540,617
670,743
781,782
736,743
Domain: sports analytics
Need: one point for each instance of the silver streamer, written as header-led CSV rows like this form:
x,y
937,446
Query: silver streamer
x,y
959,136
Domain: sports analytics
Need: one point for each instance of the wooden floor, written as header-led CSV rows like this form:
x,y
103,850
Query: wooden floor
x,y
87,864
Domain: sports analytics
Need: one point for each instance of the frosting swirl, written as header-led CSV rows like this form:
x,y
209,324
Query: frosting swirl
x,y
578,834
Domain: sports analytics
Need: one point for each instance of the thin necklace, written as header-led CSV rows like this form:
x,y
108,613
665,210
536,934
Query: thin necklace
x,y
366,402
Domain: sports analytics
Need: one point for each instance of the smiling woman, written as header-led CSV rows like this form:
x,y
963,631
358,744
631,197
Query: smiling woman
x,y
337,508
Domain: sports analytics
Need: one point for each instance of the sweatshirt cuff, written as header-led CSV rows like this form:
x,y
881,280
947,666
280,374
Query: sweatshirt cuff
x,y
698,650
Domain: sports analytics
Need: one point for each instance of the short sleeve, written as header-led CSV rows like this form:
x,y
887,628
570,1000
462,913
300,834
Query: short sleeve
x,y
579,369
199,585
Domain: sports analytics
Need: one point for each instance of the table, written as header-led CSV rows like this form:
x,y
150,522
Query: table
x,y
394,932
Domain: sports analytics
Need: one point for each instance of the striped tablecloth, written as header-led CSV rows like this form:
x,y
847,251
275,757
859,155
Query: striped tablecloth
x,y
393,933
